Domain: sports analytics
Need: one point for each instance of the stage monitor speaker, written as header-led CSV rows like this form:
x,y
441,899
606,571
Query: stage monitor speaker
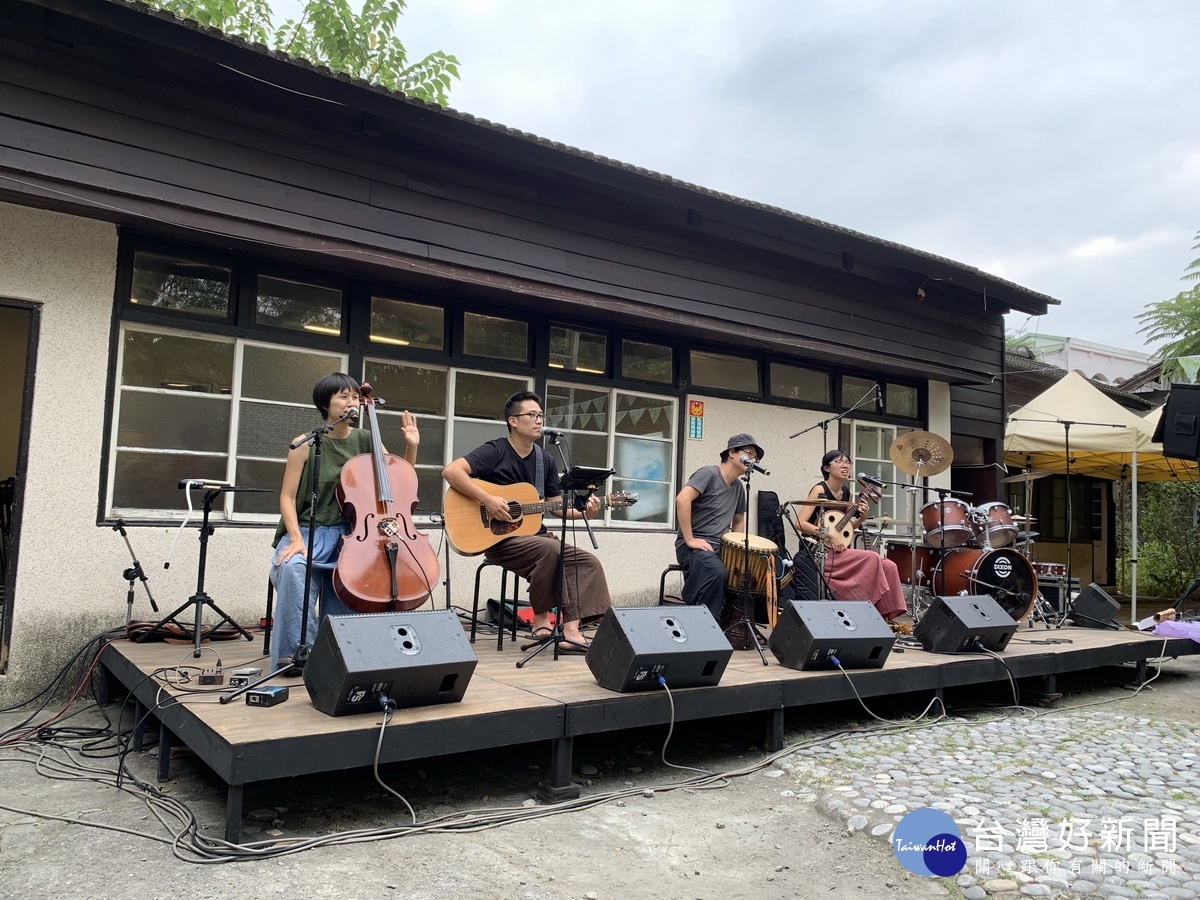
x,y
809,635
957,624
635,645
415,658
1093,608
1179,425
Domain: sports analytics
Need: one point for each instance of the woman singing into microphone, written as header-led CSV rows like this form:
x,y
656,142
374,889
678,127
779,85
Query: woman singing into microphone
x,y
852,574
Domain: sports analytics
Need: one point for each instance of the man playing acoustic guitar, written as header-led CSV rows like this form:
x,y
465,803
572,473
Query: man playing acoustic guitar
x,y
535,557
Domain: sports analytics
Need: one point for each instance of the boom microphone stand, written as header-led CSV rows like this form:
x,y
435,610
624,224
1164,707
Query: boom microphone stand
x,y
300,657
132,574
746,604
576,485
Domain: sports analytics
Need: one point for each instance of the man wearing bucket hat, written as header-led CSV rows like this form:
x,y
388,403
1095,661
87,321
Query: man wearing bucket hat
x,y
711,504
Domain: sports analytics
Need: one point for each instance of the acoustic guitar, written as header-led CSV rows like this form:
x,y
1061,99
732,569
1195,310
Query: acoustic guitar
x,y
844,524
471,530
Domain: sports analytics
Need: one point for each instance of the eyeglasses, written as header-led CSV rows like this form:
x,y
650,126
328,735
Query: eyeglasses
x,y
748,451
535,416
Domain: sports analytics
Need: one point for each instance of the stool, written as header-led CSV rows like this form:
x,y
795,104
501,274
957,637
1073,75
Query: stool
x,y
504,573
675,599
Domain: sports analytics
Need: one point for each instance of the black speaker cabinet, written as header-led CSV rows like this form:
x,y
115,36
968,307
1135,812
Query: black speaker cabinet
x,y
636,645
1093,608
955,624
1179,426
811,634
415,658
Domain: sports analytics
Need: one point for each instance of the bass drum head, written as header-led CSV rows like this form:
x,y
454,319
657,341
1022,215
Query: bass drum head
x,y
1004,575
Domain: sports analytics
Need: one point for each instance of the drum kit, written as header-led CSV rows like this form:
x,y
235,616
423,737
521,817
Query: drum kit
x,y
962,549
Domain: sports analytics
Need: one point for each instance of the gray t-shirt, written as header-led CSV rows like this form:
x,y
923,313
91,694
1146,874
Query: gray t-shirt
x,y
714,509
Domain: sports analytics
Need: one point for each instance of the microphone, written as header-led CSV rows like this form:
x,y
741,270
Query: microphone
x,y
869,479
552,433
351,413
751,464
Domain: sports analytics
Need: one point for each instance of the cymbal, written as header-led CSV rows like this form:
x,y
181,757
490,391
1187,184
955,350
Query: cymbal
x,y
1024,476
921,453
878,520
824,504
1019,518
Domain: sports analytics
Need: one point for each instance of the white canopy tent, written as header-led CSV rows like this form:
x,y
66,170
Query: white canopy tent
x,y
1105,440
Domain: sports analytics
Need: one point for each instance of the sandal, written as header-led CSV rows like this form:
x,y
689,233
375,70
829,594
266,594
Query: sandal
x,y
544,633
566,646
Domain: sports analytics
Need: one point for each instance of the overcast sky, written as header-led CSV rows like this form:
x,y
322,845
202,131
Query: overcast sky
x,y
1055,143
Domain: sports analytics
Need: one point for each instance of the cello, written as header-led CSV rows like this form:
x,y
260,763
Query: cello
x,y
385,564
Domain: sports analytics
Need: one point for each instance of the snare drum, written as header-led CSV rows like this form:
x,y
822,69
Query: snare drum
x,y
761,563
902,555
1050,571
946,523
993,524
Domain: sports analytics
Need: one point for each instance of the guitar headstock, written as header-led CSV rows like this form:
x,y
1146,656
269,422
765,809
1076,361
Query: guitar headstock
x,y
622,499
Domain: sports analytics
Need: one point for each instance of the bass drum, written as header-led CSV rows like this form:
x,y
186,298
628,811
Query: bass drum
x,y
1004,575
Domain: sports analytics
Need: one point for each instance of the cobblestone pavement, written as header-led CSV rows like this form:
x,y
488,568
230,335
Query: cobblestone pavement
x,y
1098,800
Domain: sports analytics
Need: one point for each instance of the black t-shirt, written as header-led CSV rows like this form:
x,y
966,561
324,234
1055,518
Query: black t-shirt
x,y
497,462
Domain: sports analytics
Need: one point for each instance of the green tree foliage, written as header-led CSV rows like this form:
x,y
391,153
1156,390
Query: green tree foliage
x,y
329,33
1176,321
1168,538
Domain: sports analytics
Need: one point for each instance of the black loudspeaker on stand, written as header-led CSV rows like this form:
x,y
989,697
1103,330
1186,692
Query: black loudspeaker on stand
x,y
414,658
1178,427
635,646
964,624
810,635
1093,608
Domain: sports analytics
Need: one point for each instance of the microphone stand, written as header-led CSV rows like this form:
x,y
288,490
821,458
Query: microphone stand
x,y
300,657
132,574
757,638
824,423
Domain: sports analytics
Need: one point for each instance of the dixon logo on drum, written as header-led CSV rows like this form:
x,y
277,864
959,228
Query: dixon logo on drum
x,y
1004,567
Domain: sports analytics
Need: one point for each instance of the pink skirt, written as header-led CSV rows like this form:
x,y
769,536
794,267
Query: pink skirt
x,y
863,575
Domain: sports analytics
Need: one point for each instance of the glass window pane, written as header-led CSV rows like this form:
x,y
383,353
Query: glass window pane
x,y
293,304
730,373
433,437
647,362
901,401
583,450
266,430
168,282
856,390
287,376
259,473
495,337
645,416
419,389
482,396
469,435
576,409
578,351
796,383
173,422
151,480
407,324
644,467
175,362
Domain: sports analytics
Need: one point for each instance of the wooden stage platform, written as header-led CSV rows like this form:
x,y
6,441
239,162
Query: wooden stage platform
x,y
553,702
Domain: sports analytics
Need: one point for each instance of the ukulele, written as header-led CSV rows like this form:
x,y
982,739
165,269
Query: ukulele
x,y
845,523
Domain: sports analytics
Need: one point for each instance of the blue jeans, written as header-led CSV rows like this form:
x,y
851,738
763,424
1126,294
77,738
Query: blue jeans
x,y
288,579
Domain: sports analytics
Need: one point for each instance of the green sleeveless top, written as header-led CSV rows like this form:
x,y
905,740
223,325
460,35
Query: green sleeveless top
x,y
334,454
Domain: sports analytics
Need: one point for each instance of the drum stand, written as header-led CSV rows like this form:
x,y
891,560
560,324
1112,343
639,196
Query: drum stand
x,y
746,604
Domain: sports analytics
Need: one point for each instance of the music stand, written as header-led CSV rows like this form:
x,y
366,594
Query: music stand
x,y
200,599
577,484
